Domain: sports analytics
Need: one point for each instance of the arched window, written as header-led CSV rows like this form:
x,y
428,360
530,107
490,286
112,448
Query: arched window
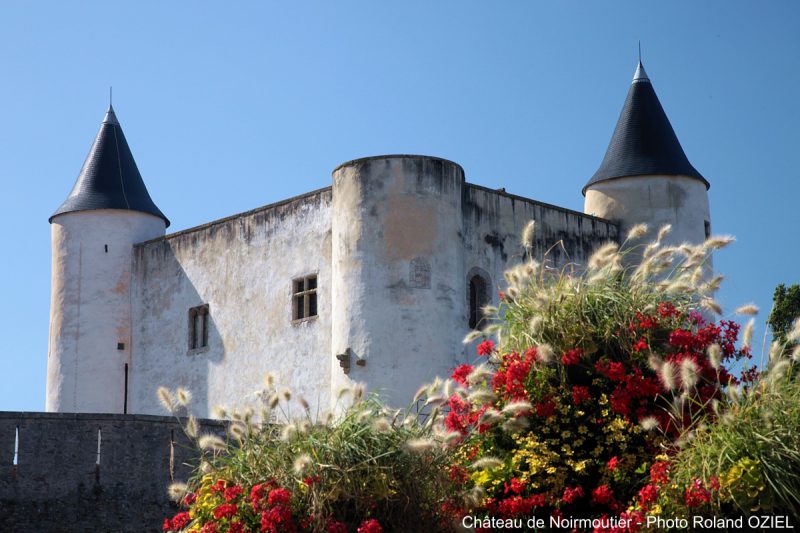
x,y
198,327
478,298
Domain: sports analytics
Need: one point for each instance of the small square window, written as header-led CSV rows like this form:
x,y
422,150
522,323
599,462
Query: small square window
x,y
304,297
198,327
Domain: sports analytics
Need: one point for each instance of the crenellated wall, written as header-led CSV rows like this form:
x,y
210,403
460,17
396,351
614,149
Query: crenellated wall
x,y
61,480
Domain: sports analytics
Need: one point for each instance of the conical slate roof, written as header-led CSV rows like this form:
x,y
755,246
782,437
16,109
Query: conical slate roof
x,y
109,178
644,142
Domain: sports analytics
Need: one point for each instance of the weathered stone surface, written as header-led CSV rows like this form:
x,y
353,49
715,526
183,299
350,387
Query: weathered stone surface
x,y
58,485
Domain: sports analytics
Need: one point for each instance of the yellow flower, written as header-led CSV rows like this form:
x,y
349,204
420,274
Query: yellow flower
x,y
580,466
655,510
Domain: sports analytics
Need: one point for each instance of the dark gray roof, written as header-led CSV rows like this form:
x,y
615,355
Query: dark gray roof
x,y
109,178
644,142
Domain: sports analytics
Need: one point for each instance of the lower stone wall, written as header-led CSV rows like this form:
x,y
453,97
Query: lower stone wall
x,y
65,472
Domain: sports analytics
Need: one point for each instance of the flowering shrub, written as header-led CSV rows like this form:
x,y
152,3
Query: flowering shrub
x,y
371,470
599,378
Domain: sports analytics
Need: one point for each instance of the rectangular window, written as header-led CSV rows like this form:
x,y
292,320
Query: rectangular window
x,y
708,228
304,297
198,327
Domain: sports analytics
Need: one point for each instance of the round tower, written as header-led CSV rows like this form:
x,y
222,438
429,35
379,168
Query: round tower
x,y
398,271
93,233
645,176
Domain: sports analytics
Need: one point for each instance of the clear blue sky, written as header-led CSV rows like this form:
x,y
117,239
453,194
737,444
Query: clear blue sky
x,y
231,105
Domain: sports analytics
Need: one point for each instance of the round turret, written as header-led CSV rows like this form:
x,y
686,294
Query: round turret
x,y
645,175
93,233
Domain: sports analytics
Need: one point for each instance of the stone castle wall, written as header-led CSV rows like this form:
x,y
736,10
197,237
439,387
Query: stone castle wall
x,y
54,479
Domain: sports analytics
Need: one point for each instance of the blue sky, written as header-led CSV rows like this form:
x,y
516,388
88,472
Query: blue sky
x,y
231,105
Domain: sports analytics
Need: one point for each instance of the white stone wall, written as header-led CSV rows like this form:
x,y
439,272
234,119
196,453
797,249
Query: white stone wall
x,y
243,268
90,311
655,200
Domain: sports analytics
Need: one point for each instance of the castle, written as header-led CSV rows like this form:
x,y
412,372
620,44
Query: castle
x,y
375,279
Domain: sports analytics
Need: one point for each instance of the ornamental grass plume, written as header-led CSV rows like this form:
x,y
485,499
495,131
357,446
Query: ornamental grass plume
x,y
667,374
689,374
714,356
747,309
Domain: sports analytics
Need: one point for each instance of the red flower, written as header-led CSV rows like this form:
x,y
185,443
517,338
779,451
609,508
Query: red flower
x,y
513,377
613,463
519,506
714,483
279,496
696,495
612,370
335,526
226,510
370,526
231,493
219,486
210,527
602,495
460,374
571,494
546,409
659,472
178,522
572,357
278,520
666,310
648,495
311,480
486,348
501,295
640,345
515,485
189,499
580,394
236,527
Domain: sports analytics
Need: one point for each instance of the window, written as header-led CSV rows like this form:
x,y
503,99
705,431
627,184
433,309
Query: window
x,y
304,297
707,224
198,327
478,298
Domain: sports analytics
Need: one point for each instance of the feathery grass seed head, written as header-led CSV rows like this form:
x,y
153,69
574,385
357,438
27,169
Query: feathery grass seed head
x,y
211,443
302,463
176,491
689,374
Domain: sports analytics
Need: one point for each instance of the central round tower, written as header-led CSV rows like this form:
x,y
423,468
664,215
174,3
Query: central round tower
x,y
398,261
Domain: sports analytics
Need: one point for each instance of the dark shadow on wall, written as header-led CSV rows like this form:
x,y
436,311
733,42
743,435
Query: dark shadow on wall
x,y
176,338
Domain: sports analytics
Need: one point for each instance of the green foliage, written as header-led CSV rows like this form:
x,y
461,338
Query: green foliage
x,y
367,463
785,310
753,452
